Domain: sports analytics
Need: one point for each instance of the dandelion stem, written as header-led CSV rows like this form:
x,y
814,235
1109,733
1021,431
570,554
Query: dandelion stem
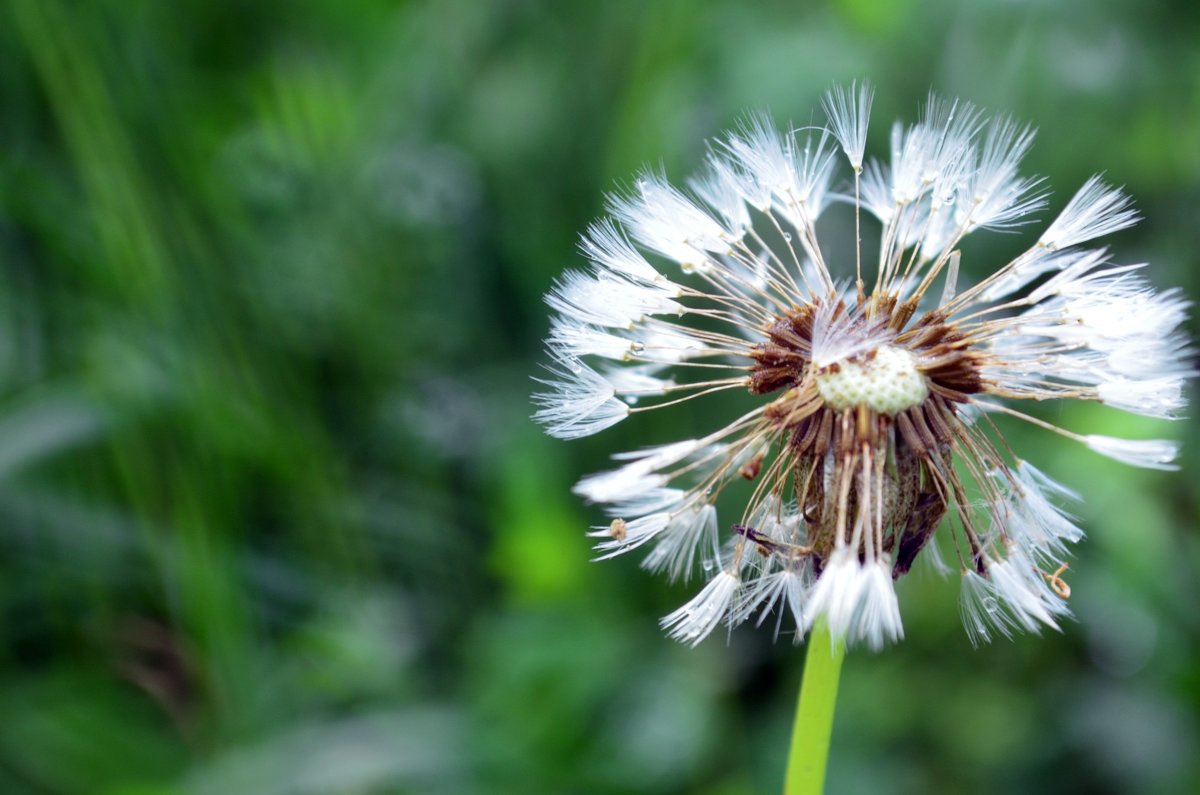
x,y
814,714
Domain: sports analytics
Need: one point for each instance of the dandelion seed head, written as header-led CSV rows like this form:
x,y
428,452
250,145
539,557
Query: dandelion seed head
x,y
880,388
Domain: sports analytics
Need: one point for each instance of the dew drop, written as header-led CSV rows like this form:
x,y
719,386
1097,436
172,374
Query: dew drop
x,y
787,236
637,347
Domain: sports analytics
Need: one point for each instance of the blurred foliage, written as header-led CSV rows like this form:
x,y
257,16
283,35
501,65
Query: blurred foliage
x,y
272,516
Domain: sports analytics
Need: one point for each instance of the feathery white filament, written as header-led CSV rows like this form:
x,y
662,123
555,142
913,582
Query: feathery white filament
x,y
849,110
1155,397
636,382
783,590
838,335
1039,527
778,171
637,477
1094,211
632,535
721,189
649,501
1145,453
857,600
1020,589
606,246
581,403
664,220
694,621
576,339
608,300
982,613
997,197
676,549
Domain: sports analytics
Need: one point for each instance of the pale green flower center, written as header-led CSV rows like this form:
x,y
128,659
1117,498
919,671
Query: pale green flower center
x,y
887,382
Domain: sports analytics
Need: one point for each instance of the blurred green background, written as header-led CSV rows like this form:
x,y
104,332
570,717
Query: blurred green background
x,y
273,518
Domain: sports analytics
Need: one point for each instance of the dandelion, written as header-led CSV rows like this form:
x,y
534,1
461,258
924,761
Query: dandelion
x,y
873,384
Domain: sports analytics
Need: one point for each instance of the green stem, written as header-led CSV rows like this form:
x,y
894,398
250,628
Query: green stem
x,y
814,714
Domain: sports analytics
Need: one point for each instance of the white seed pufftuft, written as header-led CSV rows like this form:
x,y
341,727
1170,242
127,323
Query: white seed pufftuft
x,y
1094,211
693,533
607,247
857,600
669,223
849,110
995,195
983,616
1147,453
694,621
1028,601
784,591
1032,520
581,403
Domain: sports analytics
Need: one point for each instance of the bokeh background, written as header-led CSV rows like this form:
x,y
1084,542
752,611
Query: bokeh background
x,y
273,518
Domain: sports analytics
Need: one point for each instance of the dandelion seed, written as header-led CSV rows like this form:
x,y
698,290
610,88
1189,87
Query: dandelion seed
x,y
876,399
848,113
